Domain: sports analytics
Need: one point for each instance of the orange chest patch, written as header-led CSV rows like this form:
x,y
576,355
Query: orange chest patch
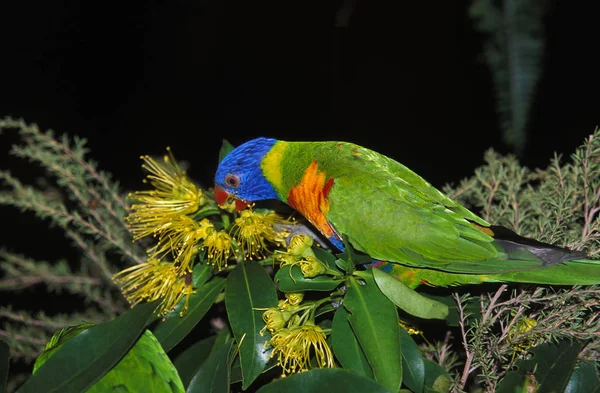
x,y
310,198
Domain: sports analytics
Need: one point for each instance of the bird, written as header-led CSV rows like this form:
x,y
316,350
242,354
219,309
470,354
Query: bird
x,y
389,212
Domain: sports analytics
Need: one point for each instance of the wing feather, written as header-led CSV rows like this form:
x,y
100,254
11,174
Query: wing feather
x,y
405,219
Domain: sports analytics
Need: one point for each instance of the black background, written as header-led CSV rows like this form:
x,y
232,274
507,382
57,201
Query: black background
x,y
404,78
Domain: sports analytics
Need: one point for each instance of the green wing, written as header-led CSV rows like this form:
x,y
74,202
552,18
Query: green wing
x,y
393,214
145,368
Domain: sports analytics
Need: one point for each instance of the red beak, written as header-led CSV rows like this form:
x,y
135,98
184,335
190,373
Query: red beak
x,y
221,196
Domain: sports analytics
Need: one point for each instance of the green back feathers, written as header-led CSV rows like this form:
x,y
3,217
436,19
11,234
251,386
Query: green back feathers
x,y
393,214
390,212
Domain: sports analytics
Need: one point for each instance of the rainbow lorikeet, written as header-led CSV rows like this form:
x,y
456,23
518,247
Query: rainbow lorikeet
x,y
392,214
145,368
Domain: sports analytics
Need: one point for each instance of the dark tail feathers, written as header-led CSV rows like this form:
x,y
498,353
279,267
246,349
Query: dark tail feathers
x,y
548,253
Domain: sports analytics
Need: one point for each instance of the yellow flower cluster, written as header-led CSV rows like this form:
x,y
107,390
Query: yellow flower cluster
x,y
155,280
172,212
295,338
253,229
173,195
183,237
165,213
300,253
515,334
410,329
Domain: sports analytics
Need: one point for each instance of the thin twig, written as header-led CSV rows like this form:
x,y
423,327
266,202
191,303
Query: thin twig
x,y
462,320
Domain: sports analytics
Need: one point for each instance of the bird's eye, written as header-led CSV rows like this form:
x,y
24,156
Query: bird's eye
x,y
232,181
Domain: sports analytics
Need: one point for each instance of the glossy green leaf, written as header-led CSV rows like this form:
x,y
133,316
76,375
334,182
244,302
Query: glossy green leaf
x,y
189,361
325,256
344,265
236,371
413,367
297,282
236,368
554,364
374,319
326,309
214,374
408,299
4,365
226,148
514,382
584,379
329,380
85,358
249,292
436,378
346,347
472,307
175,327
551,367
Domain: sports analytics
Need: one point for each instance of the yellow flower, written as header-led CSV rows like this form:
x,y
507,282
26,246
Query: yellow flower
x,y
152,281
410,329
294,298
184,236
522,326
309,265
285,258
300,245
219,245
294,346
275,319
180,238
173,194
253,229
312,267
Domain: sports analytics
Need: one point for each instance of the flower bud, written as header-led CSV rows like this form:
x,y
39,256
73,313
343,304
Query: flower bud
x,y
294,298
312,267
274,319
300,244
285,258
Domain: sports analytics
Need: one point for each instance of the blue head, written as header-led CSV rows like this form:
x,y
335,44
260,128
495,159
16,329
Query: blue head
x,y
239,174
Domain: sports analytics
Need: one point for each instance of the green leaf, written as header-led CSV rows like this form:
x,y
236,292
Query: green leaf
x,y
202,272
413,367
4,365
249,292
297,282
85,358
584,379
344,265
236,369
514,382
325,256
436,378
551,367
407,299
326,309
375,322
346,347
226,148
330,380
175,327
472,307
190,360
214,374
